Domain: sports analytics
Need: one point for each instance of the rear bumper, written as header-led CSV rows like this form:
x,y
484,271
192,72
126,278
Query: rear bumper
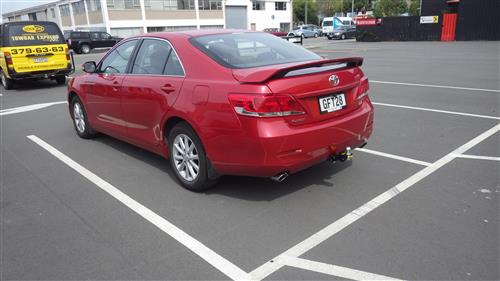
x,y
273,146
39,74
332,35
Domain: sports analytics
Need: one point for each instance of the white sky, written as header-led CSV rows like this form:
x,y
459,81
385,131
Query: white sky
x,y
12,5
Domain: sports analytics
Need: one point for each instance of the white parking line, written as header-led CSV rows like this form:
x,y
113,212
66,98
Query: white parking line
x,y
392,156
478,157
331,269
335,227
26,108
219,262
434,86
437,110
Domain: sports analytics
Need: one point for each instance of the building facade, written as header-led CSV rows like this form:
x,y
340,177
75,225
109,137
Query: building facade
x,y
129,17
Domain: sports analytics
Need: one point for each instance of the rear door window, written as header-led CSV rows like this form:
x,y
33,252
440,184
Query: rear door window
x,y
152,57
30,34
105,35
118,59
174,66
94,36
80,35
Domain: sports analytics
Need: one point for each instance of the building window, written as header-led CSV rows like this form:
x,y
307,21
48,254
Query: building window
x,y
258,5
210,4
78,7
211,27
156,28
280,6
185,4
180,28
32,16
124,4
93,5
160,5
64,10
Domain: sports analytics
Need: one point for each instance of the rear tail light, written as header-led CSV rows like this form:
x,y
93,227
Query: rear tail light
x,y
66,50
8,59
363,89
265,105
69,42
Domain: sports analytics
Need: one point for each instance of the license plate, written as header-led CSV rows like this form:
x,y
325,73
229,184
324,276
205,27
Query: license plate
x,y
332,103
38,60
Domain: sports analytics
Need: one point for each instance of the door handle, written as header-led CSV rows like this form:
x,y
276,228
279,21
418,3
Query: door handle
x,y
167,88
115,86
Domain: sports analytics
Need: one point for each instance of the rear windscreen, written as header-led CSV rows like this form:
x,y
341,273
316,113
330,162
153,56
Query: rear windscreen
x,y
27,34
251,49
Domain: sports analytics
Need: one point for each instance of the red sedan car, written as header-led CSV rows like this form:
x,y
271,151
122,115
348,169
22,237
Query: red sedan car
x,y
224,103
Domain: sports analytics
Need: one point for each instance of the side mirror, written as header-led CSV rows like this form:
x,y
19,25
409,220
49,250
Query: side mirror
x,y
89,67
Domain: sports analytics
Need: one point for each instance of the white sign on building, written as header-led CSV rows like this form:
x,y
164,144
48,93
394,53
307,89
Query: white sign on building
x,y
429,19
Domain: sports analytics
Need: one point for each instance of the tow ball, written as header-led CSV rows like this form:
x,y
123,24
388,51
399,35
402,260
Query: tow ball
x,y
343,156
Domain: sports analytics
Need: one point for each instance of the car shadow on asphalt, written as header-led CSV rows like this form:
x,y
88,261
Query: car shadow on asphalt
x,y
29,85
263,189
243,188
150,158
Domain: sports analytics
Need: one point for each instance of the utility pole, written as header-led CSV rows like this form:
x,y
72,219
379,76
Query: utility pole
x,y
352,12
306,13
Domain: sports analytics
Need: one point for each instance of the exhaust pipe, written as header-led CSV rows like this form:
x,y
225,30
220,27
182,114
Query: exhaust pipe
x,y
281,176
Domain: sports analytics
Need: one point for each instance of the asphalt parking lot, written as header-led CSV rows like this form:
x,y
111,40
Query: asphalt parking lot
x,y
419,202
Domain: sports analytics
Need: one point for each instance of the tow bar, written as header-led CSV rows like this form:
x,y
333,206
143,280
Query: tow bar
x,y
343,156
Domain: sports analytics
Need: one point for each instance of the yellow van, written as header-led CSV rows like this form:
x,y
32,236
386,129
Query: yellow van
x,y
33,50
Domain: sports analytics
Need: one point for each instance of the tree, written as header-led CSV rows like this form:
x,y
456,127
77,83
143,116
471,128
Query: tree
x,y
299,11
327,8
414,9
390,8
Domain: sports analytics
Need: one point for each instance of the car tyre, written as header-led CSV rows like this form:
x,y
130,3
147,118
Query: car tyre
x,y
7,83
315,35
329,37
84,49
342,37
80,119
186,152
61,80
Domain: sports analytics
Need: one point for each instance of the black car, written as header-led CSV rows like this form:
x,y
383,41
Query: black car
x,y
85,41
342,32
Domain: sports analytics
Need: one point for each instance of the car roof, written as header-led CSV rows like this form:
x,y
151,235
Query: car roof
x,y
192,33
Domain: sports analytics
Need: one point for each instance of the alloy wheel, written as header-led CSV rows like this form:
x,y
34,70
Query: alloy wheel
x,y
79,117
186,159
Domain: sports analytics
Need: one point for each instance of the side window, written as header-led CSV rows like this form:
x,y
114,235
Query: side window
x,y
117,60
174,66
152,57
94,36
105,35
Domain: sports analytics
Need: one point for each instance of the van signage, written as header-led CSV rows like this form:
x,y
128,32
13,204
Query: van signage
x,y
32,28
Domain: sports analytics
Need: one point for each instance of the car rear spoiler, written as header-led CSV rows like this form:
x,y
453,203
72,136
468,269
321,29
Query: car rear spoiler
x,y
265,73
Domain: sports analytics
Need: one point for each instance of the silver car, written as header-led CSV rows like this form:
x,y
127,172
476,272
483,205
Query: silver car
x,y
305,31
